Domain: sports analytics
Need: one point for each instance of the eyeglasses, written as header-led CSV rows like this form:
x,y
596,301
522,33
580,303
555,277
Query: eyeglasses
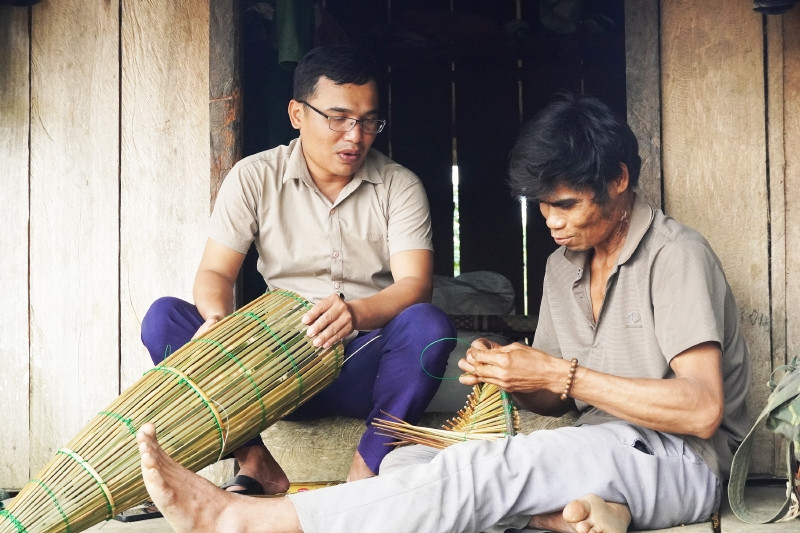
x,y
371,126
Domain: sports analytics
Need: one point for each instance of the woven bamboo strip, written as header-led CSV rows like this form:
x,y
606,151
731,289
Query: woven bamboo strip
x,y
207,398
488,414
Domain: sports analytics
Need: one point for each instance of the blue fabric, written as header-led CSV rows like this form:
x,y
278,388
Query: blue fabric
x,y
389,371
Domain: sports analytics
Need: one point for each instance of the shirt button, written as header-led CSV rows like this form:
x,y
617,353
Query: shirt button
x,y
335,254
333,210
337,285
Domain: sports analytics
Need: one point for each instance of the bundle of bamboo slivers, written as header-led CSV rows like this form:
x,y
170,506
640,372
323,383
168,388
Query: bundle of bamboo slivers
x,y
489,414
206,399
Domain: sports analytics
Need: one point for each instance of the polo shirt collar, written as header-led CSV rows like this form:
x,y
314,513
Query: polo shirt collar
x,y
298,169
641,218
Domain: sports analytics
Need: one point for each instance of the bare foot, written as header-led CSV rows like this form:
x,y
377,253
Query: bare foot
x,y
188,501
257,463
590,514
191,503
359,469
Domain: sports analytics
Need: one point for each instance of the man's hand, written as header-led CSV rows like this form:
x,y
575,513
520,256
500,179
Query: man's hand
x,y
206,326
329,321
514,368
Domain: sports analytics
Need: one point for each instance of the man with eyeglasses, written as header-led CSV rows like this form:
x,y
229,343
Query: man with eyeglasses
x,y
346,228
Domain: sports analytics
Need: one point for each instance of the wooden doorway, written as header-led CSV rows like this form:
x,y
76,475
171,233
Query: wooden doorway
x,y
461,76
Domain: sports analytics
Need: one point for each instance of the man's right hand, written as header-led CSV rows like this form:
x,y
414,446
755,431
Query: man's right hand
x,y
206,326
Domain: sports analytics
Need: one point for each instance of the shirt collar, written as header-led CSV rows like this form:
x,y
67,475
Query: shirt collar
x,y
641,217
298,169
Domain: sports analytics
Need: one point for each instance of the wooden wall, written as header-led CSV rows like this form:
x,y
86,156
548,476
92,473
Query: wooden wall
x,y
784,177
15,439
463,76
109,112
105,173
726,100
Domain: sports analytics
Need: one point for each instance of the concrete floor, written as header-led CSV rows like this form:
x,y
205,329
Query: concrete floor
x,y
759,498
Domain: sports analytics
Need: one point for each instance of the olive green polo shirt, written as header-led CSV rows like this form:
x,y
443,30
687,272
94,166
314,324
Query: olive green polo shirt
x,y
314,247
667,294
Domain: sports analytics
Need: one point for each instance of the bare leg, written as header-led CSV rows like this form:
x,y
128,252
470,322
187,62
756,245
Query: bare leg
x,y
590,514
256,462
359,469
191,503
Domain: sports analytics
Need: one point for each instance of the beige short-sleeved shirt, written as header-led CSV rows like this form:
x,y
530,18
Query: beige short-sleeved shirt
x,y
314,247
668,293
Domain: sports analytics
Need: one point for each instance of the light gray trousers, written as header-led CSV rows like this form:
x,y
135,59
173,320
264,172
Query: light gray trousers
x,y
472,486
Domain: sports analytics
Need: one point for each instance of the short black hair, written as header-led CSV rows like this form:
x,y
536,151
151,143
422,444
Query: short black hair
x,y
341,63
577,141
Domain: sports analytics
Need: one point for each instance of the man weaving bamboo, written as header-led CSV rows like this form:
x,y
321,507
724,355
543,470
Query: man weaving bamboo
x,y
638,329
343,226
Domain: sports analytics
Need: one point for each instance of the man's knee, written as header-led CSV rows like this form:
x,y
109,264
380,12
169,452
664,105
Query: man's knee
x,y
429,317
406,456
168,324
159,316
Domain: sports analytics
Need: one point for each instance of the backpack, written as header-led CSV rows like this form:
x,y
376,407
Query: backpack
x,y
782,415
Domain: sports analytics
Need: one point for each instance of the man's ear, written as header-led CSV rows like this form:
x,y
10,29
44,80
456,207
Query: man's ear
x,y
295,113
621,183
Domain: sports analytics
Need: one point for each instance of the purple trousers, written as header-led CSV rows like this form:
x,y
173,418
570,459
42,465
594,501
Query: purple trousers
x,y
391,373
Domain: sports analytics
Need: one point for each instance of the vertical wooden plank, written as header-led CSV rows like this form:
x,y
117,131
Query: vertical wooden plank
x,y
74,244
225,118
225,106
643,84
490,218
776,93
431,160
777,199
714,157
603,67
168,175
421,107
14,150
789,79
165,176
486,124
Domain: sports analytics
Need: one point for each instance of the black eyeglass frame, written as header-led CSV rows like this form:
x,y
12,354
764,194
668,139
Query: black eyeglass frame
x,y
353,121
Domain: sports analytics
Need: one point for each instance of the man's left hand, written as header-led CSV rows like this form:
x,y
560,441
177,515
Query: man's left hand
x,y
514,368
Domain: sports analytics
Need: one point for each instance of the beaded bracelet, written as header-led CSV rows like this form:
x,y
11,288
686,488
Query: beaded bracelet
x,y
573,367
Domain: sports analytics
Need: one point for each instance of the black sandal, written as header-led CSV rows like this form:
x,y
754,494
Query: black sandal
x,y
251,486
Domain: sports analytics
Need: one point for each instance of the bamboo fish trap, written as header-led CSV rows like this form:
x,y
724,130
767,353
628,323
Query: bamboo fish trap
x,y
206,399
488,414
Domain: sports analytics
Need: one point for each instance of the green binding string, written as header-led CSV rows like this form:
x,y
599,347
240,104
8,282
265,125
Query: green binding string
x,y
246,371
285,350
5,513
93,473
184,379
127,421
55,502
422,365
308,307
294,297
508,405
